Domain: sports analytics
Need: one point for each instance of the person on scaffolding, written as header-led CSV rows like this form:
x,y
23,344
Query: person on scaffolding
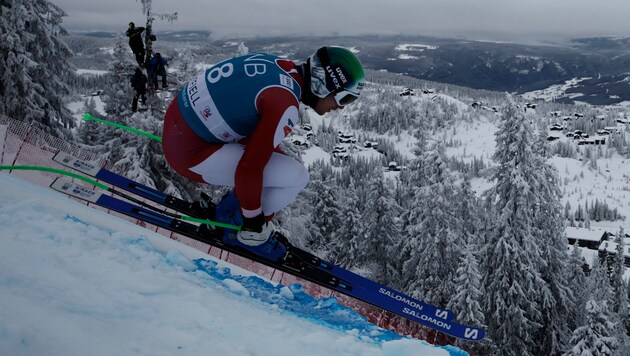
x,y
225,126
139,85
157,67
135,42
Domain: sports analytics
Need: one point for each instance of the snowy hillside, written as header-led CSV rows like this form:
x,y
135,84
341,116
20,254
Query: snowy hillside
x,y
76,281
582,180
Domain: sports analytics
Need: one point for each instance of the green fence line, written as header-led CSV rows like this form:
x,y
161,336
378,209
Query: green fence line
x,y
88,117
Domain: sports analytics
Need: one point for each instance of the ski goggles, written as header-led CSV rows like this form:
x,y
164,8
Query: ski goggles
x,y
345,97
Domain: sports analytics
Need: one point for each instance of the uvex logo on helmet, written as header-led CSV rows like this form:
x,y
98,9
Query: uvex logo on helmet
x,y
343,77
337,77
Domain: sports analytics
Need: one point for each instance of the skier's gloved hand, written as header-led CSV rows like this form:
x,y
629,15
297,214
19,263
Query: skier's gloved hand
x,y
254,224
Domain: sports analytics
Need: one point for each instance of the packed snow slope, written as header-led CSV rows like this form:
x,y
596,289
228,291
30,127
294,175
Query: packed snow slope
x,y
76,281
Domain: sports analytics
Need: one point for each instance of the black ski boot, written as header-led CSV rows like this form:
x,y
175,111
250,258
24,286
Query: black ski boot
x,y
205,208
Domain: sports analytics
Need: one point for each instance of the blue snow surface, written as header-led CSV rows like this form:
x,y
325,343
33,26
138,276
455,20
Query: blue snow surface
x,y
293,298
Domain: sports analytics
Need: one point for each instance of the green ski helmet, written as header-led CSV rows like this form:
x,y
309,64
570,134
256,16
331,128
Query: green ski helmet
x,y
336,70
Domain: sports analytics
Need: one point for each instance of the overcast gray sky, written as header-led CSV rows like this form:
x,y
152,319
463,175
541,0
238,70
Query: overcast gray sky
x,y
480,19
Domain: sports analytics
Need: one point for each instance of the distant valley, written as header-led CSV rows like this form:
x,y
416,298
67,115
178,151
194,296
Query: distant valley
x,y
595,68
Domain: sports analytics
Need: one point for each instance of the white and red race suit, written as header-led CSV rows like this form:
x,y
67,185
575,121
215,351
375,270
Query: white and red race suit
x,y
224,128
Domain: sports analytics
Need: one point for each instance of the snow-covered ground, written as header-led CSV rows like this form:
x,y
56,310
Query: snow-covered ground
x,y
76,281
82,71
555,91
414,47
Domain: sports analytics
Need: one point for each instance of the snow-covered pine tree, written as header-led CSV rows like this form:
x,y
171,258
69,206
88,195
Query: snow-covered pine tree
x,y
512,281
470,213
412,243
377,242
587,217
326,214
575,274
599,282
35,66
402,192
90,132
468,276
618,284
617,270
550,236
594,338
468,294
409,183
136,155
346,249
597,335
118,96
89,106
186,66
434,238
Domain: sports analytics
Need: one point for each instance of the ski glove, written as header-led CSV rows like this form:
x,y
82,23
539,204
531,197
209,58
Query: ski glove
x,y
253,224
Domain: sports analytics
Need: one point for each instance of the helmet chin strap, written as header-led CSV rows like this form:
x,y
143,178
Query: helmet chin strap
x,y
308,98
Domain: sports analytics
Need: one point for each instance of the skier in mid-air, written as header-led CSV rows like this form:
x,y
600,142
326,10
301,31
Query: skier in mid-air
x,y
224,127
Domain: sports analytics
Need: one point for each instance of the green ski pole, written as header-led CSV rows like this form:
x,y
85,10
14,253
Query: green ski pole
x,y
88,117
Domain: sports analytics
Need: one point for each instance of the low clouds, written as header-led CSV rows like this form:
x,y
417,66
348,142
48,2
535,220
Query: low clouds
x,y
482,19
